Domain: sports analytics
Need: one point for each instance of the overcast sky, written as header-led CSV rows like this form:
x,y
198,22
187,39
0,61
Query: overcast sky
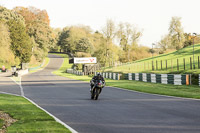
x,y
151,16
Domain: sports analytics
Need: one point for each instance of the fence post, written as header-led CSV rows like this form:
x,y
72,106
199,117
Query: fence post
x,y
177,65
198,62
152,66
166,64
161,64
184,63
172,64
156,65
190,63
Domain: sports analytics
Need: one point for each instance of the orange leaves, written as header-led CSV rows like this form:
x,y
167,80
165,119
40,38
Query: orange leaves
x,y
32,14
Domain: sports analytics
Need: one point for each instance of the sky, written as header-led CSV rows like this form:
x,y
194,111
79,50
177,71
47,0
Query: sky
x,y
152,17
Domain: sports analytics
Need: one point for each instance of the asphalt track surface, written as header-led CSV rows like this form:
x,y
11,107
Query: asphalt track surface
x,y
116,111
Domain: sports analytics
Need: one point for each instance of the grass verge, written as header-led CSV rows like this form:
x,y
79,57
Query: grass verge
x,y
46,61
154,88
30,118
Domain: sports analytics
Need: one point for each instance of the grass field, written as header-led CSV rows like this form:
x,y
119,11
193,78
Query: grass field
x,y
170,90
30,119
145,65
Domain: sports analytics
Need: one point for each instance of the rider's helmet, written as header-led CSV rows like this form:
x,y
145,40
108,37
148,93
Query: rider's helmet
x,y
99,76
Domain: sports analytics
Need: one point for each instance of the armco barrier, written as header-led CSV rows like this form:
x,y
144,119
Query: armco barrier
x,y
137,76
126,77
133,76
106,75
158,78
175,79
129,76
153,78
74,72
164,78
199,79
110,75
140,77
114,76
170,79
148,77
144,77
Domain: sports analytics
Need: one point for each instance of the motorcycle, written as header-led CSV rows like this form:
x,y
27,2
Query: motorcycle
x,y
96,89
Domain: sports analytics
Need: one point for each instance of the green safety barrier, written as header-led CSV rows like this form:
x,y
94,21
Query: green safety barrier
x,y
183,79
170,78
140,77
133,76
148,77
126,76
158,78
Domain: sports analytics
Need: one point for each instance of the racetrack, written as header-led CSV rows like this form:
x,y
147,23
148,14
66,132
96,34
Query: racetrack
x,y
116,111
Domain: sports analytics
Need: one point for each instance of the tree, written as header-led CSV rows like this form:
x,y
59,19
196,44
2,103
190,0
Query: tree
x,y
38,28
101,52
55,47
188,39
6,15
6,54
128,36
70,37
124,43
164,44
20,41
109,31
176,33
83,45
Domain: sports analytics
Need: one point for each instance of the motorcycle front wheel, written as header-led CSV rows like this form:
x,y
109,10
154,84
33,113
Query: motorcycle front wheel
x,y
96,94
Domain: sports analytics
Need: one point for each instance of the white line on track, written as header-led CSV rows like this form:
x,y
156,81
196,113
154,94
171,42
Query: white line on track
x,y
9,93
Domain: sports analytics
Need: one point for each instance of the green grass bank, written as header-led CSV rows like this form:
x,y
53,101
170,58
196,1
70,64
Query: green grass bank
x,y
30,119
166,63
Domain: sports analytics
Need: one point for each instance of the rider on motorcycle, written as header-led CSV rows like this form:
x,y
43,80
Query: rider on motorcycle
x,y
94,79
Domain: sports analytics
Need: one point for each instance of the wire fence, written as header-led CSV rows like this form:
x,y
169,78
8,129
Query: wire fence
x,y
169,65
